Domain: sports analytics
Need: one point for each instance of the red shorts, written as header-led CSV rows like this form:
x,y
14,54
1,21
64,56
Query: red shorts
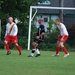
x,y
11,39
64,38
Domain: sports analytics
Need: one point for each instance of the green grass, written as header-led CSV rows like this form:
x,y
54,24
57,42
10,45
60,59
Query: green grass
x,y
44,65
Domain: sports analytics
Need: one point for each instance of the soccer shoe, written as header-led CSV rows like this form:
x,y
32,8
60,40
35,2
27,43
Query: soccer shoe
x,y
66,55
55,55
8,53
37,55
20,53
30,56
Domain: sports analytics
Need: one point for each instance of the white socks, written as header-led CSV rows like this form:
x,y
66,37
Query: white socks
x,y
32,54
33,50
37,51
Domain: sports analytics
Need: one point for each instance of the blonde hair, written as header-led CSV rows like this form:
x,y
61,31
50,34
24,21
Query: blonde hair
x,y
58,20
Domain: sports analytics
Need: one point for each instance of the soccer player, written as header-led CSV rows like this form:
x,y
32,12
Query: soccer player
x,y
11,36
63,36
39,38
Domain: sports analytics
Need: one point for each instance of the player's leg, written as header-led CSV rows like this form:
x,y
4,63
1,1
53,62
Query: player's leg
x,y
7,39
37,52
58,46
34,45
57,49
64,49
14,40
18,48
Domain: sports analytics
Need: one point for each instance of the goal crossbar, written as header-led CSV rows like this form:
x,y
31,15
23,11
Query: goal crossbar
x,y
48,7
32,17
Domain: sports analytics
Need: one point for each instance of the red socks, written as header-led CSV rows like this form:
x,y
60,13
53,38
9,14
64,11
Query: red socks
x,y
65,50
57,50
19,49
7,47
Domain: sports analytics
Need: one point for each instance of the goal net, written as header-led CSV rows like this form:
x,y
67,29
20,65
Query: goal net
x,y
67,15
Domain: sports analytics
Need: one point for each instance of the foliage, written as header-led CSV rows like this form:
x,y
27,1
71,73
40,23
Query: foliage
x,y
48,44
20,9
52,26
16,8
1,45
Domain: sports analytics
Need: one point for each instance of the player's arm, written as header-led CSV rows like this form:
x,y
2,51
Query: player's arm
x,y
42,34
62,36
35,33
63,33
62,39
6,32
15,30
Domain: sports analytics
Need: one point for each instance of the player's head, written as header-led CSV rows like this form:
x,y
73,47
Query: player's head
x,y
40,21
10,20
58,21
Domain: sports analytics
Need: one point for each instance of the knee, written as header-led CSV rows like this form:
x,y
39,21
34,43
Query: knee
x,y
16,44
5,42
33,44
58,44
61,44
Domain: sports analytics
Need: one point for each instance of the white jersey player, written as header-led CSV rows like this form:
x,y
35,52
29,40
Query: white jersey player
x,y
63,36
11,36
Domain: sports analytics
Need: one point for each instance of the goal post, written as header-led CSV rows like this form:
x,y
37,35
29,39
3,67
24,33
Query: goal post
x,y
0,29
31,17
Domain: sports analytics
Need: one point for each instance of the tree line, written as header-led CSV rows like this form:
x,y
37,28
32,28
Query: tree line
x,y
20,9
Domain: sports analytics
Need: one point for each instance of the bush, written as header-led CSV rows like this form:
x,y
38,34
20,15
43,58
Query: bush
x,y
23,44
1,44
46,45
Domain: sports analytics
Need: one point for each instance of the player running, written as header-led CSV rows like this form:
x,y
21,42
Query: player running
x,y
11,36
39,38
63,36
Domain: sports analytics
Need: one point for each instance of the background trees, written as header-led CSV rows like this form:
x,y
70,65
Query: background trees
x,y
20,9
17,9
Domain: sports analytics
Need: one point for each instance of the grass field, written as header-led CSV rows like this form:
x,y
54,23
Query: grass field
x,y
44,65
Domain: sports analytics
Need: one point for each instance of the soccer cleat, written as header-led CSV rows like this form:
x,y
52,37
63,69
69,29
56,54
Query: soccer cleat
x,y
30,56
66,55
55,55
8,53
20,53
37,55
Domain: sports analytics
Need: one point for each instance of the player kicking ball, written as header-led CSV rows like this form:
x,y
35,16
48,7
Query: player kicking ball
x,y
39,38
63,36
11,36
